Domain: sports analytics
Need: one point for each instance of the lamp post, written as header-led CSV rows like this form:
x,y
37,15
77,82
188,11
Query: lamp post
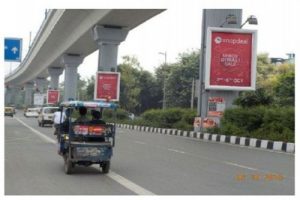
x,y
164,81
251,20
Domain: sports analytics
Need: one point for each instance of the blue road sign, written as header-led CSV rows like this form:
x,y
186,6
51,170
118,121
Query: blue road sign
x,y
13,49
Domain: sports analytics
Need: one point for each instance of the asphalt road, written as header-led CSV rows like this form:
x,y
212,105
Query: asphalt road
x,y
143,164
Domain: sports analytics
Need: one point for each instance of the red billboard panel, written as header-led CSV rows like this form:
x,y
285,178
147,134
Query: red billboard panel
x,y
107,86
230,59
52,96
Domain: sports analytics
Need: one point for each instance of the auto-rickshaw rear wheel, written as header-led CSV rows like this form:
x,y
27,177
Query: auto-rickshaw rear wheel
x,y
68,165
105,166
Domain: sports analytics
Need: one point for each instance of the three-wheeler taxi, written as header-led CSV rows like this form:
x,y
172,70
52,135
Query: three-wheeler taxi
x,y
83,137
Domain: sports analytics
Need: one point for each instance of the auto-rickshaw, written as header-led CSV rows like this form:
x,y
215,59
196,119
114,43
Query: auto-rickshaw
x,y
9,111
89,142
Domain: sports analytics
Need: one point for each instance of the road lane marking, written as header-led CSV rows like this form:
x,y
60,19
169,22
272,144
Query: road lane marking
x,y
129,184
44,137
224,162
114,176
139,142
241,166
177,151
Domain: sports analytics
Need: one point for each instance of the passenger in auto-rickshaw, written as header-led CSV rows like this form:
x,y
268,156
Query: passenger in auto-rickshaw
x,y
96,117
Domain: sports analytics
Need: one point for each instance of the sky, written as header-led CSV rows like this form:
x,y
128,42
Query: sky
x,y
176,30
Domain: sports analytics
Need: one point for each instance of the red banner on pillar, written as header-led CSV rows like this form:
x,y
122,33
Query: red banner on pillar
x,y
52,96
107,86
230,59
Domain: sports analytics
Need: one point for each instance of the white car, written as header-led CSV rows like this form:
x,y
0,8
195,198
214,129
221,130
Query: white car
x,y
46,115
32,112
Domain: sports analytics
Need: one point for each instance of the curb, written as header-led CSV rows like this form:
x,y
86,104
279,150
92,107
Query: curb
x,y
241,141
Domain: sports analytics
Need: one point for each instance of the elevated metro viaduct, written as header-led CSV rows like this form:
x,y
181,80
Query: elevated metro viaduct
x,y
64,39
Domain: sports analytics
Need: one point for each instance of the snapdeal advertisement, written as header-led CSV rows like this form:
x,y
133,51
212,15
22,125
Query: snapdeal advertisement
x,y
107,86
52,96
230,59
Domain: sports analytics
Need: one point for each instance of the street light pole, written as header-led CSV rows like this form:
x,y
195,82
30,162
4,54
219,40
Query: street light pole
x,y
164,81
201,73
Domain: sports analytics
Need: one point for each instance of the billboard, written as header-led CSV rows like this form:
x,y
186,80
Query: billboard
x,y
230,59
52,96
107,86
38,99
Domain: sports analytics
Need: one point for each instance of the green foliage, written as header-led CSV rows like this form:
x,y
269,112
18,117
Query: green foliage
x,y
178,118
285,89
129,86
275,83
246,119
149,93
273,123
121,115
179,77
90,88
138,88
254,98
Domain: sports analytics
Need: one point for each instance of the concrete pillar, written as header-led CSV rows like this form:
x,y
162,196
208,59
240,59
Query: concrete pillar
x,y
71,62
11,94
214,18
108,40
55,72
41,83
29,86
8,95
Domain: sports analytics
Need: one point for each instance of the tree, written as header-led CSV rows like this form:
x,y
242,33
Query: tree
x,y
150,93
81,89
90,88
129,86
275,85
285,90
254,98
179,81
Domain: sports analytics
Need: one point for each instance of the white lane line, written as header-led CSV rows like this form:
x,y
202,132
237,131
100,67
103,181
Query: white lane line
x,y
241,166
116,177
139,142
177,151
129,184
44,137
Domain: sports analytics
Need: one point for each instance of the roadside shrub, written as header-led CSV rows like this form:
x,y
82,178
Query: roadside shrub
x,y
279,124
169,118
272,123
121,115
245,119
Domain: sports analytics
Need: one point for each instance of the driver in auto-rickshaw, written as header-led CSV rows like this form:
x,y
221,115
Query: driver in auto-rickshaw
x,y
82,118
